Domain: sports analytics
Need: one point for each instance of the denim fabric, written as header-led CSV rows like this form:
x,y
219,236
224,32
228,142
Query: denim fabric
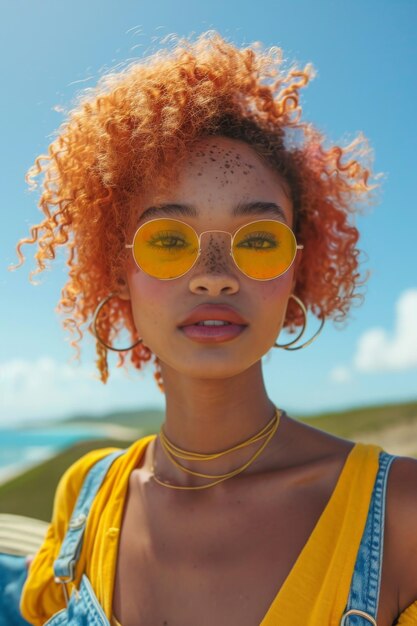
x,y
83,608
366,578
64,565
13,572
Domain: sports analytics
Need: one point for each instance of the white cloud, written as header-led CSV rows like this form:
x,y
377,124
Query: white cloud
x,y
377,350
45,388
340,374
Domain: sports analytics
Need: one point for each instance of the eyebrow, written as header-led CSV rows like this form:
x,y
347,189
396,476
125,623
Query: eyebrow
x,y
243,208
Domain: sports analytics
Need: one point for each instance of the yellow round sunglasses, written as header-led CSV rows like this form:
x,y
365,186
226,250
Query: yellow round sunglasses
x,y
168,248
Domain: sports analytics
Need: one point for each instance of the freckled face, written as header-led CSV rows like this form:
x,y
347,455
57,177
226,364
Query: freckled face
x,y
219,174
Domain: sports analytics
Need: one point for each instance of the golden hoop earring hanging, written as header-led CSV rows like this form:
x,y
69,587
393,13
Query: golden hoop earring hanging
x,y
95,331
306,343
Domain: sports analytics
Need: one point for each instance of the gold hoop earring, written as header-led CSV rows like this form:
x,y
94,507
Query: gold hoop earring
x,y
306,343
97,336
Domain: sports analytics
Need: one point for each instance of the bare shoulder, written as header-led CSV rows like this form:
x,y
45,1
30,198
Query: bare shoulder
x,y
315,443
401,527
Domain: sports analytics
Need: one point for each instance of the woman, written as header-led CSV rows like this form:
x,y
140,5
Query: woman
x,y
204,216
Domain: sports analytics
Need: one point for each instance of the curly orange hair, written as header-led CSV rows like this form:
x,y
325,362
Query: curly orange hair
x,y
135,129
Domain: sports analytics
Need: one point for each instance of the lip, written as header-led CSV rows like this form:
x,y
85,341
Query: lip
x,y
213,334
221,312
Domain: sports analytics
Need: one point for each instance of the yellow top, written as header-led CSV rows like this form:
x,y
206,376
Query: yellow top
x,y
314,593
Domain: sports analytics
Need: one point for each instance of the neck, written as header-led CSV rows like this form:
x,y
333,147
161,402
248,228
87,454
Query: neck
x,y
212,415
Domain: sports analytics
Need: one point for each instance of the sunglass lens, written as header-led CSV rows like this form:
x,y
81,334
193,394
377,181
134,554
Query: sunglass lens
x,y
165,248
264,249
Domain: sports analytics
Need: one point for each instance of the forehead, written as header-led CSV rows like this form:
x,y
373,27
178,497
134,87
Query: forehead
x,y
231,158
222,150
219,173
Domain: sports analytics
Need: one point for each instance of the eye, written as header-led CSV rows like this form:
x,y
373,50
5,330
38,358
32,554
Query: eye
x,y
168,241
258,241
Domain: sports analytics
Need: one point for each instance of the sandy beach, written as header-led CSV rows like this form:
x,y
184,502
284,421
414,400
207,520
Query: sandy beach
x,y
399,439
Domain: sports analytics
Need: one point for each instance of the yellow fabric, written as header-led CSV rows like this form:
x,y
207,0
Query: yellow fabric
x,y
314,593
408,617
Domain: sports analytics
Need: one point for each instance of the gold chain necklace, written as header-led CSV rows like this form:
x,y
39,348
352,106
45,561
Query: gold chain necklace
x,y
171,451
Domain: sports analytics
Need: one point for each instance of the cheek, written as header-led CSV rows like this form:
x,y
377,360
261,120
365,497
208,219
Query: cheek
x,y
148,297
273,299
276,292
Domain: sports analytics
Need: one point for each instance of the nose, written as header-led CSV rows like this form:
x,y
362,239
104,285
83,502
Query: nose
x,y
214,272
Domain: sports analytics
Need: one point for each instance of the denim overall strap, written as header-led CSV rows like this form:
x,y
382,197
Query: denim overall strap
x,y
64,565
362,604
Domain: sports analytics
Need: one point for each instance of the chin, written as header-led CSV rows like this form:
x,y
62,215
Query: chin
x,y
211,367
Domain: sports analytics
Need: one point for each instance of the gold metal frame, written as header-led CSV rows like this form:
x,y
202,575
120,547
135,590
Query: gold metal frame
x,y
64,580
95,331
301,333
360,613
199,236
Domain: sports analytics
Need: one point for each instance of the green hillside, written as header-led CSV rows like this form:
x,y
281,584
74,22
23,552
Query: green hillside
x,y
32,492
364,419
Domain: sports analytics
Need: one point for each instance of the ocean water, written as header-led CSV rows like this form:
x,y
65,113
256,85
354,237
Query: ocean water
x,y
21,449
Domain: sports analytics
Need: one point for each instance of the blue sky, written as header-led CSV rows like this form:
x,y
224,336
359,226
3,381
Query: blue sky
x,y
364,54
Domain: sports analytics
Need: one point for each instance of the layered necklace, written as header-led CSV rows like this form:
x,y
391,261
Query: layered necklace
x,y
173,452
